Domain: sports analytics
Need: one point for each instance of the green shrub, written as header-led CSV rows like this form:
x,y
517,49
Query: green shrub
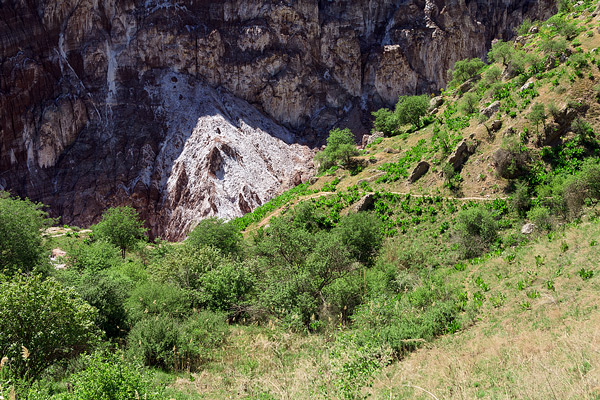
x,y
339,150
411,109
525,27
219,234
520,200
537,115
541,217
464,70
226,287
108,296
42,322
93,256
385,122
121,227
553,45
492,75
404,322
108,377
469,103
476,229
153,298
361,236
169,343
21,243
501,52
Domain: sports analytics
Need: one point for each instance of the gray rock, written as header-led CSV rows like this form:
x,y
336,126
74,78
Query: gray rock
x,y
526,86
496,125
460,155
436,102
528,228
365,203
420,170
491,109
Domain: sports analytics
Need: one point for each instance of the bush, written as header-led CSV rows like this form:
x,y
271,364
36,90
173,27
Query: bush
x,y
108,377
93,256
339,150
21,244
511,160
152,298
108,296
219,234
226,287
541,217
411,109
492,75
553,46
476,229
469,103
169,343
42,322
405,321
520,200
385,121
501,52
464,70
537,115
121,227
361,236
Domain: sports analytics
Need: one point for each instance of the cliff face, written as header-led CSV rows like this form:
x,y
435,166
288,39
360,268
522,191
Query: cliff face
x,y
191,108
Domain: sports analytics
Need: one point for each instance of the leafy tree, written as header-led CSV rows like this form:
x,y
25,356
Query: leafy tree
x,y
501,52
469,103
42,322
537,115
21,242
492,74
339,150
385,121
465,70
219,234
411,109
93,256
361,235
553,46
121,227
477,230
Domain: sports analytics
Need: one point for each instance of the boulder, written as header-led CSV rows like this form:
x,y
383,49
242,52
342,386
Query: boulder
x,y
528,228
420,170
491,109
460,155
364,204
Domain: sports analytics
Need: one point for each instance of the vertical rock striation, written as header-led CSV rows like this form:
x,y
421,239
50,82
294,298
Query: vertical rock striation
x,y
190,108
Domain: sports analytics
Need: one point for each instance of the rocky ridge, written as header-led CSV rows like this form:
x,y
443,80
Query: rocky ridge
x,y
111,102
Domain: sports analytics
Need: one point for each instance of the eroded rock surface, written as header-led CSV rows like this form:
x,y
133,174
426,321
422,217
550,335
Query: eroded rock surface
x,y
92,92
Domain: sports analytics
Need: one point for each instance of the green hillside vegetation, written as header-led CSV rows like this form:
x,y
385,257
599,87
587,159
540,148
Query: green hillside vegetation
x,y
474,275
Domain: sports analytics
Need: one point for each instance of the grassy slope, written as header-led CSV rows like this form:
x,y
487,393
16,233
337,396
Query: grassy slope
x,y
537,333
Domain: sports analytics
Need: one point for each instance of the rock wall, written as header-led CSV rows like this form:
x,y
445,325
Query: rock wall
x,y
191,108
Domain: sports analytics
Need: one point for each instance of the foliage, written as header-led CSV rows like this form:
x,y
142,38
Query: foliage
x,y
469,103
492,75
339,150
405,321
93,256
541,217
553,45
464,70
385,121
108,377
520,199
21,243
107,294
538,114
411,109
501,52
121,227
217,233
153,298
42,323
361,236
169,343
476,229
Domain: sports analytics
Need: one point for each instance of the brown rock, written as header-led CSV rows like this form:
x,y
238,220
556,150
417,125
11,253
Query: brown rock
x,y
420,170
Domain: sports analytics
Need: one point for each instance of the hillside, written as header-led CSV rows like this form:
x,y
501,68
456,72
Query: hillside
x,y
453,256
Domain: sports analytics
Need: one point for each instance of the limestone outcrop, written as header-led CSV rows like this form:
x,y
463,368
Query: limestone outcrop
x,y
106,102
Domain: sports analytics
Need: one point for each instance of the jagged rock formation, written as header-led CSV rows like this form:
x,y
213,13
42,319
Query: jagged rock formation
x,y
106,102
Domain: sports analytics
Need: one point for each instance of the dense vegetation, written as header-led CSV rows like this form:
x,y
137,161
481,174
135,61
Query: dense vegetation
x,y
354,271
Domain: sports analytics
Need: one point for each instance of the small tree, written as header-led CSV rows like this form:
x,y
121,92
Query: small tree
x,y
469,103
42,322
222,235
21,225
477,230
501,52
537,115
411,109
465,70
120,226
339,150
385,121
